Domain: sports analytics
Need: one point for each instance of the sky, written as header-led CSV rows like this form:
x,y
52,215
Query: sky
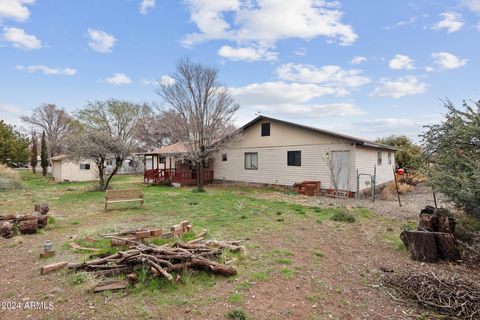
x,y
366,68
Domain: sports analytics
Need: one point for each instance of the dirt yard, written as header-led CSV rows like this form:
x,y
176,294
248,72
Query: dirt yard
x,y
300,264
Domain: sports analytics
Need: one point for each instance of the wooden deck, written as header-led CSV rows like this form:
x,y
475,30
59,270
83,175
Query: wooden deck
x,y
183,177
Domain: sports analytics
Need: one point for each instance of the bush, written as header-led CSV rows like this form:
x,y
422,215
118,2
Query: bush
x,y
343,216
237,315
389,192
9,178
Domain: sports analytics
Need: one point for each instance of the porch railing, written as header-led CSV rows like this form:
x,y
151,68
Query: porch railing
x,y
174,175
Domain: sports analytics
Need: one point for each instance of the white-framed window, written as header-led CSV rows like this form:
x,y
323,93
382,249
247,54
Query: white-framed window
x,y
379,158
294,158
251,160
84,166
389,158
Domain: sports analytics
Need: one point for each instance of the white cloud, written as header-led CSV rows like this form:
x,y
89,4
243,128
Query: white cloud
x,y
146,5
448,61
47,70
20,39
247,54
333,76
429,69
358,60
15,9
451,21
401,87
118,78
473,5
101,41
401,62
165,80
261,24
293,99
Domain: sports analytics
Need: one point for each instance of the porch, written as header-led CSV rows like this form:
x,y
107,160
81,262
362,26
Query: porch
x,y
168,164
176,175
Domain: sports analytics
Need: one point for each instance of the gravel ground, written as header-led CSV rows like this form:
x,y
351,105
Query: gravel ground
x,y
412,202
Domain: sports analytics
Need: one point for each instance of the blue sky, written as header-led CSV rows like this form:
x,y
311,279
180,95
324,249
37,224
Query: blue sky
x,y
366,68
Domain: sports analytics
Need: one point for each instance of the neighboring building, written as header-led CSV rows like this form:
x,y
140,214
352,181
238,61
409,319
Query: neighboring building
x,y
73,171
276,152
64,169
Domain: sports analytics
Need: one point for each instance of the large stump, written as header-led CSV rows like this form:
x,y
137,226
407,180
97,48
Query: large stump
x,y
430,246
6,229
42,208
28,226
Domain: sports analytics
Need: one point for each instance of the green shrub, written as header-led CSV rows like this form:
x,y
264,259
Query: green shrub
x,y
237,315
343,216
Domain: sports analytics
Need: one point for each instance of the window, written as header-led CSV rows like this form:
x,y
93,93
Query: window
x,y
265,129
84,166
251,160
389,158
162,159
109,162
224,157
379,158
294,158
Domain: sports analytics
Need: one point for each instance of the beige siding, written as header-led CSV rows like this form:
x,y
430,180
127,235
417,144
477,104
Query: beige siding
x,y
70,171
366,160
272,156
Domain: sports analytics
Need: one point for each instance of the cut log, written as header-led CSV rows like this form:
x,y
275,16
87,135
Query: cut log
x,y
421,245
42,208
109,285
41,219
28,226
53,267
156,232
6,229
47,254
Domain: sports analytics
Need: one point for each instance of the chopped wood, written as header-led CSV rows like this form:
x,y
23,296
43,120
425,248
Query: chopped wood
x,y
89,239
196,240
132,278
142,234
53,267
203,233
156,232
163,260
109,286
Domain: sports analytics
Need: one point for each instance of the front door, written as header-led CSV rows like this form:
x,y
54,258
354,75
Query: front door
x,y
341,169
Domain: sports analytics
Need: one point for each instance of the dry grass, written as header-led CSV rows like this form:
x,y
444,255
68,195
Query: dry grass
x,y
389,192
9,178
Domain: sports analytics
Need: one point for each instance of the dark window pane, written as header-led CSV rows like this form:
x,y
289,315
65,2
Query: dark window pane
x,y
224,157
265,129
294,158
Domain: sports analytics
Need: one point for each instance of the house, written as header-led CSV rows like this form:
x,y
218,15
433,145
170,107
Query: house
x,y
275,152
64,169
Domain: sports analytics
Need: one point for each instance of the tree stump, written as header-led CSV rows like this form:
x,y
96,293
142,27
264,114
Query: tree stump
x,y
421,245
42,208
430,246
28,226
6,229
41,219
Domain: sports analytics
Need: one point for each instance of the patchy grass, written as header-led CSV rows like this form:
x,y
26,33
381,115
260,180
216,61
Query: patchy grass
x,y
343,215
287,273
237,315
394,240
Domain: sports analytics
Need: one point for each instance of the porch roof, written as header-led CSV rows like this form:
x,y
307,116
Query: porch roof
x,y
176,148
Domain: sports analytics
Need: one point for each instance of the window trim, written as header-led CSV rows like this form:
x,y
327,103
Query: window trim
x,y
245,160
389,157
379,158
294,158
262,129
85,166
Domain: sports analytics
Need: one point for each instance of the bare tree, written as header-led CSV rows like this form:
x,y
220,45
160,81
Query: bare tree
x,y
54,121
155,131
335,168
203,110
107,130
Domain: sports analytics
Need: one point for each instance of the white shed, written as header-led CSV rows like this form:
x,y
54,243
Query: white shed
x,y
73,171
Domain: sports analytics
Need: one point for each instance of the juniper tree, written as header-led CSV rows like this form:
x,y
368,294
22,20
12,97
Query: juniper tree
x,y
34,152
44,155
453,150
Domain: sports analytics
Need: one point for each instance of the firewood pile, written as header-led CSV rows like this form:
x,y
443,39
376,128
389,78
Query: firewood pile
x,y
163,260
24,223
453,296
434,238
